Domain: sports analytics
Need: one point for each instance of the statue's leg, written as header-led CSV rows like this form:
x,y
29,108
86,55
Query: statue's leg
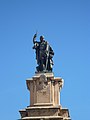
x,y
49,66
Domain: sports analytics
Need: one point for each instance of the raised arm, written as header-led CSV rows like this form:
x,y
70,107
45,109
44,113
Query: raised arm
x,y
34,38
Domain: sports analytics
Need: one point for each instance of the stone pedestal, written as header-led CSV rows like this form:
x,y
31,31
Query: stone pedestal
x,y
44,99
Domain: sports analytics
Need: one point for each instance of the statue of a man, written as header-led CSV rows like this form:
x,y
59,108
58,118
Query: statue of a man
x,y
44,54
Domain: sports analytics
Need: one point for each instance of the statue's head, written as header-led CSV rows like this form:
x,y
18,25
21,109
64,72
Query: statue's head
x,y
41,38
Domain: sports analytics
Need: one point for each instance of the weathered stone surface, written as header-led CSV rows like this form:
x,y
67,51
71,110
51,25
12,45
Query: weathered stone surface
x,y
44,88
54,112
44,98
46,118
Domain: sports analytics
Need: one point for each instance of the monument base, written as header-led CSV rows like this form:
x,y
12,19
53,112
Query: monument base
x,y
45,113
44,98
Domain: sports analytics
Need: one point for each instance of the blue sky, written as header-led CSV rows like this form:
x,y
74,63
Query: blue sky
x,y
66,26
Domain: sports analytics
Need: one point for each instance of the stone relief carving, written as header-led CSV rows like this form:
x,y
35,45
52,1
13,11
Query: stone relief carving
x,y
42,83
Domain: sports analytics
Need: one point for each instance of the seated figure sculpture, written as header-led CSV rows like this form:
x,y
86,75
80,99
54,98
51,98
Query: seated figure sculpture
x,y
44,54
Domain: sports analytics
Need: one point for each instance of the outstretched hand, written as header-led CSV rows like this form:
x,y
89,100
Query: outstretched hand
x,y
35,36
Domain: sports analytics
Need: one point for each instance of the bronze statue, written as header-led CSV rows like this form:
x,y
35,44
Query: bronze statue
x,y
44,54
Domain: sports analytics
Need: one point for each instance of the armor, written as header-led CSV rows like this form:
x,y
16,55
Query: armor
x,y
44,55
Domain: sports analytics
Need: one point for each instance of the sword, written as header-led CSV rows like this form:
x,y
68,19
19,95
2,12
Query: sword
x,y
47,50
